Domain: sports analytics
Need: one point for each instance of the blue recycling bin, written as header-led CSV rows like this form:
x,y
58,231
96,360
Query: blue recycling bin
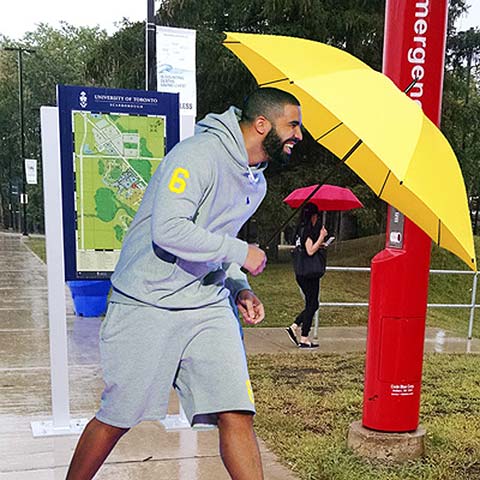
x,y
90,296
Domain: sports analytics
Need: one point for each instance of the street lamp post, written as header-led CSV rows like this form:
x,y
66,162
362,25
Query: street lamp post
x,y
150,48
23,195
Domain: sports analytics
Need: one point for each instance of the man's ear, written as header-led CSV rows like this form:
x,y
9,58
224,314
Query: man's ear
x,y
262,125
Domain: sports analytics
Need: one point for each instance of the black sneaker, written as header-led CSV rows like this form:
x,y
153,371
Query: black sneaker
x,y
307,345
292,336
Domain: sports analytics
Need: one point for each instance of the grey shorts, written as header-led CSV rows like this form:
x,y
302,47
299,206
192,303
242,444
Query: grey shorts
x,y
146,350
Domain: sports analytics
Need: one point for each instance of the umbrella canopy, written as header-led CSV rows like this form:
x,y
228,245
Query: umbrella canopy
x,y
365,120
327,197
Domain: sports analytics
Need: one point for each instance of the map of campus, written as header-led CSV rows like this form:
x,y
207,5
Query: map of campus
x,y
115,156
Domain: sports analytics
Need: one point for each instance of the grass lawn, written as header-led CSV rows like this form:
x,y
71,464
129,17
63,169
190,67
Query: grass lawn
x,y
305,404
37,245
280,294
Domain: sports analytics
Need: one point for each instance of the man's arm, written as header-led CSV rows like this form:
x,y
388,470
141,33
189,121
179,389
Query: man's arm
x,y
180,190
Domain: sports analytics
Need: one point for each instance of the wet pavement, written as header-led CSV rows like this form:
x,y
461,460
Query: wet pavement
x,y
148,451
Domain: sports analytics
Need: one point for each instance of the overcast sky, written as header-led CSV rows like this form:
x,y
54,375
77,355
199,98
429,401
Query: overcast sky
x,y
473,17
21,16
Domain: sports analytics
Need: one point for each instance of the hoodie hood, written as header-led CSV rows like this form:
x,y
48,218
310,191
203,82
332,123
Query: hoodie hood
x,y
226,127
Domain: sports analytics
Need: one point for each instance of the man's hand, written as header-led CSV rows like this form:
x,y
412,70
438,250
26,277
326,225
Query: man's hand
x,y
256,260
250,307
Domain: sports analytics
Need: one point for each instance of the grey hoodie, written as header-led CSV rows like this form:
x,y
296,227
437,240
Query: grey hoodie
x,y
181,249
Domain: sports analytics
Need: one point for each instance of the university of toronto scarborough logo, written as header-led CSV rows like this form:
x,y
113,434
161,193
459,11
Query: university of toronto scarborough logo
x,y
82,99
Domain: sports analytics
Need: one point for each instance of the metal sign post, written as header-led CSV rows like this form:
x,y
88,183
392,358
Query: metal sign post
x,y
61,423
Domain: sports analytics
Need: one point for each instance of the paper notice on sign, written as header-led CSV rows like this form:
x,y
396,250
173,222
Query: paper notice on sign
x,y
31,171
176,66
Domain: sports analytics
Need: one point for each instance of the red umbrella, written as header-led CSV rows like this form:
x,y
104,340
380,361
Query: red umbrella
x,y
328,197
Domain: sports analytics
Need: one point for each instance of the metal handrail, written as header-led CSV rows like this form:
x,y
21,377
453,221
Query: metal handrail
x,y
472,305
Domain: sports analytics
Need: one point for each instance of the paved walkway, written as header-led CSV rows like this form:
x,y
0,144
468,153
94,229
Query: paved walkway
x,y
148,451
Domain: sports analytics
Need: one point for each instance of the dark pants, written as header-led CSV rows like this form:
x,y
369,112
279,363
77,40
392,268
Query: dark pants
x,y
310,288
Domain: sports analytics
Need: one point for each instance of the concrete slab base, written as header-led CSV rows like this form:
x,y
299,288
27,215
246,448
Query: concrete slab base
x,y
47,428
394,447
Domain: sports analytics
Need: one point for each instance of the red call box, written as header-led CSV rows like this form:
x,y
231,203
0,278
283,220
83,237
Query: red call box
x,y
414,48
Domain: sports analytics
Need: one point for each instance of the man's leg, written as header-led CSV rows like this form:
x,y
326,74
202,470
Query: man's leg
x,y
96,442
239,447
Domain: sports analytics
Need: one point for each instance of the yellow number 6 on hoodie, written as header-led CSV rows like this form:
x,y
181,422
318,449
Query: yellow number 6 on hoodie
x,y
177,182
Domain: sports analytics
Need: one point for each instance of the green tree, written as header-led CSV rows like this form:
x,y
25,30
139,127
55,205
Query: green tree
x,y
356,25
461,105
60,57
119,61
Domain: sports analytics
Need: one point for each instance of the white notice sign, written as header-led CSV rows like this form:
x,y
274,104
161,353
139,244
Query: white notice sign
x,y
31,171
176,66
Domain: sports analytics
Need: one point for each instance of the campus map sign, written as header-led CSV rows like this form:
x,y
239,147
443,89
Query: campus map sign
x,y
111,141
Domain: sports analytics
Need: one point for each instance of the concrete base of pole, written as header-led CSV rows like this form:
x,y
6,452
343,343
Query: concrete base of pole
x,y
394,447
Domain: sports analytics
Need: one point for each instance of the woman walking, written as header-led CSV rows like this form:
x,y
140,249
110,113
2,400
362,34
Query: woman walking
x,y
309,239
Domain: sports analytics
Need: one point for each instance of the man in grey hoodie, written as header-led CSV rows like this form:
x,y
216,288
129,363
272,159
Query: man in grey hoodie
x,y
169,321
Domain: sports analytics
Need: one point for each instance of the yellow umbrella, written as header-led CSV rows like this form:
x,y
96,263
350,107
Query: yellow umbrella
x,y
365,120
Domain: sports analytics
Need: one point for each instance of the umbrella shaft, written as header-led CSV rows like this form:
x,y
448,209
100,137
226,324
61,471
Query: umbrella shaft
x,y
316,189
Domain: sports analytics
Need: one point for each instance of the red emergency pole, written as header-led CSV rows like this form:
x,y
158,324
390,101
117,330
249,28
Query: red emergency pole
x,y
414,48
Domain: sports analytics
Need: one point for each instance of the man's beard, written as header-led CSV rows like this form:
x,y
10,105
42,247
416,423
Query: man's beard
x,y
273,147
